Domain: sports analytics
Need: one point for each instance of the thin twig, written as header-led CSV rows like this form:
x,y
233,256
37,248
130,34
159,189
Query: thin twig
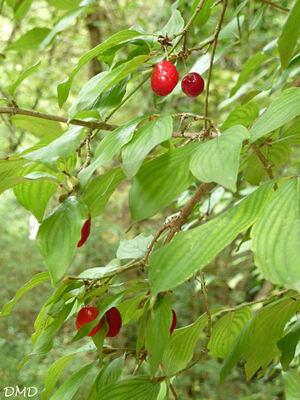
x,y
187,209
215,41
88,151
267,165
183,33
50,117
154,240
275,5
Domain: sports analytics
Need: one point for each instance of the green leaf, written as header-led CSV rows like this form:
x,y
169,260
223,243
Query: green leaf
x,y
111,98
99,190
257,341
287,345
134,248
61,148
22,9
64,5
148,193
122,37
276,154
174,25
145,139
99,272
110,373
292,385
53,374
181,346
10,182
288,39
230,31
192,250
158,332
69,388
102,82
134,388
34,196
238,349
65,22
248,68
34,281
59,234
211,162
44,341
27,72
276,236
37,126
258,17
225,331
30,40
291,134
129,309
203,14
242,115
109,147
282,110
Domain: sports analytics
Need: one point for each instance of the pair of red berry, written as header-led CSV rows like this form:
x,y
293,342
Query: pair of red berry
x,y
113,319
89,314
164,78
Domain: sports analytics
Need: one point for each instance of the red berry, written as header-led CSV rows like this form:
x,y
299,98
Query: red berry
x,y
86,315
114,320
164,78
173,322
85,231
192,84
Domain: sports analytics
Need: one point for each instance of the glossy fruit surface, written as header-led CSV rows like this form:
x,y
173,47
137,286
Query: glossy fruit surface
x,y
164,78
114,320
85,231
192,84
86,315
173,322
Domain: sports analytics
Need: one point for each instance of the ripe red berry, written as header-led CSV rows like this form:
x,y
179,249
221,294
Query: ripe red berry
x,y
192,84
173,322
86,315
85,231
114,320
164,78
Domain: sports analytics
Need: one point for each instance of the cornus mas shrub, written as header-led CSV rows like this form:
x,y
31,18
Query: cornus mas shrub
x,y
234,180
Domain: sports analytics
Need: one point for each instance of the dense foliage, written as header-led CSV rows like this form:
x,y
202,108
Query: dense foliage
x,y
211,183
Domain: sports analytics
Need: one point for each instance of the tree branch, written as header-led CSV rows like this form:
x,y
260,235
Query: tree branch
x,y
275,5
267,165
177,223
50,117
215,41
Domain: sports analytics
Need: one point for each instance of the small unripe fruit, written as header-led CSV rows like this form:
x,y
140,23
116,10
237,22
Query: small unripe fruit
x,y
192,84
173,322
164,78
114,320
85,232
86,315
